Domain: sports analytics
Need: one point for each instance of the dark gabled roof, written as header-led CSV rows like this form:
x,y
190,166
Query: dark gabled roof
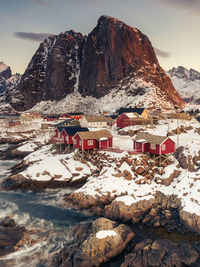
x,y
113,116
72,130
75,113
72,113
198,119
130,110
52,116
62,123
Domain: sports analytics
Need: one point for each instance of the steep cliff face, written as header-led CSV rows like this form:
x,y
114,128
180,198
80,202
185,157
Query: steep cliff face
x,y
112,57
114,51
52,72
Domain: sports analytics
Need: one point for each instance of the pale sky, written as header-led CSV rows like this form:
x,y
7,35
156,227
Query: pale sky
x,y
171,25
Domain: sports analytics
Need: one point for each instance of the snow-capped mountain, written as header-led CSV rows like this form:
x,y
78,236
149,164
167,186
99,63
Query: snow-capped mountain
x,y
114,65
7,80
187,83
5,71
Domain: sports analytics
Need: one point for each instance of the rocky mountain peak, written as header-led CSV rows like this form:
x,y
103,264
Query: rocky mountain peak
x,y
114,55
5,71
183,73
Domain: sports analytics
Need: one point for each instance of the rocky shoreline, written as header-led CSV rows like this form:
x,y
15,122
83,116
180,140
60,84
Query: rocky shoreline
x,y
14,237
157,210
108,243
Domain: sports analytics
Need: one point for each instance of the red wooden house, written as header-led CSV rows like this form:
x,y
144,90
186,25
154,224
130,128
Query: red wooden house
x,y
155,144
130,119
14,123
51,117
65,134
93,140
74,116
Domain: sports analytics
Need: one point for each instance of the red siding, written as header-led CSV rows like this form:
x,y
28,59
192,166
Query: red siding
x,y
169,147
122,121
75,117
14,123
105,143
94,146
78,139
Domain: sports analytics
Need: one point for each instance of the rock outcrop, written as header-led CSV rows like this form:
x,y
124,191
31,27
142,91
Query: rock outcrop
x,y
161,253
12,237
95,243
190,220
52,72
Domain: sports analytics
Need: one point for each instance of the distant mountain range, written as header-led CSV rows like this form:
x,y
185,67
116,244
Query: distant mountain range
x,y
187,83
114,66
7,80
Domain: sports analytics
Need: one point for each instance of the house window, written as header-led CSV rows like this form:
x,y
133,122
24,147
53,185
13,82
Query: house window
x,y
153,146
75,141
163,147
80,142
90,142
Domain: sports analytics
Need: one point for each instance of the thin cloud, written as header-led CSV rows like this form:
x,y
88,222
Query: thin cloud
x,y
40,2
161,53
193,5
35,37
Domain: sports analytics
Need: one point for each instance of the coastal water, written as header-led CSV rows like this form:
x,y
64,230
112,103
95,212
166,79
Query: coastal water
x,y
41,211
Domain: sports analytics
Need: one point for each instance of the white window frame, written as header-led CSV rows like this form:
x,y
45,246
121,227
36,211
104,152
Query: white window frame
x,y
163,147
90,142
80,142
74,141
153,146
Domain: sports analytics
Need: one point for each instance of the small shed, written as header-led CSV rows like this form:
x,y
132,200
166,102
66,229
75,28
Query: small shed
x,y
93,140
154,144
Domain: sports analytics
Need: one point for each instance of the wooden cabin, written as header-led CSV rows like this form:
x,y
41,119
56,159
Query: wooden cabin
x,y
93,140
142,112
51,117
64,135
14,123
71,115
130,119
91,121
154,144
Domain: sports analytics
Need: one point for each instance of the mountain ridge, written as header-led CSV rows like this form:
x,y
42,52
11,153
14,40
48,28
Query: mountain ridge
x,y
187,83
113,54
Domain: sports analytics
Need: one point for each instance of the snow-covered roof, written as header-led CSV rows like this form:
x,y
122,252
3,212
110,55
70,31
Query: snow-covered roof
x,y
150,138
95,134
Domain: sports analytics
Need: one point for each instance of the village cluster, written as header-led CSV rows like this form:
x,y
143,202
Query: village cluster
x,y
96,132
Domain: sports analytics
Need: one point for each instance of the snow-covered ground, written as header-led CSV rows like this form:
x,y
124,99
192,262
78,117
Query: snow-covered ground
x,y
44,164
134,91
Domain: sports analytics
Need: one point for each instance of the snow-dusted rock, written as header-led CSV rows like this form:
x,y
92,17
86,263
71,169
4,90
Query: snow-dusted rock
x,y
98,243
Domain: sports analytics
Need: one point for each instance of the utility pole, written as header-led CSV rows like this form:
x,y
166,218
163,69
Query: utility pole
x,y
177,133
